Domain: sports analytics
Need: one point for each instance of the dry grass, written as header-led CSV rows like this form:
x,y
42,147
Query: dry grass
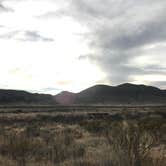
x,y
91,142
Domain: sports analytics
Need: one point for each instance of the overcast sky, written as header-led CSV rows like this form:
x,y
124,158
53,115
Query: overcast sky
x,y
52,45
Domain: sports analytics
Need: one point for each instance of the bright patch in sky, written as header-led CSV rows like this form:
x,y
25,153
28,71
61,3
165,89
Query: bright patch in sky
x,y
53,45
39,53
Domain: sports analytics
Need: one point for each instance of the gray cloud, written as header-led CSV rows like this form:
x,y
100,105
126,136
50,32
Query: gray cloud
x,y
119,30
4,8
48,90
9,35
33,36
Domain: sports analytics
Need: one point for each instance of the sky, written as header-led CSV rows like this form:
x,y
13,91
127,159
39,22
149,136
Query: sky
x,y
52,45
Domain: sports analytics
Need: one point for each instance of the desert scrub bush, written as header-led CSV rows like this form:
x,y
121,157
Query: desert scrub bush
x,y
88,143
93,157
96,126
130,140
32,130
4,161
154,162
19,148
64,146
156,127
102,160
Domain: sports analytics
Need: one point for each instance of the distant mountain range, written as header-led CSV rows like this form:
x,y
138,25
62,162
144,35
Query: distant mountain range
x,y
98,94
121,94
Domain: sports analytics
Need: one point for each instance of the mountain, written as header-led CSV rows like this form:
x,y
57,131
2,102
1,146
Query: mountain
x,y
121,94
98,94
65,98
23,97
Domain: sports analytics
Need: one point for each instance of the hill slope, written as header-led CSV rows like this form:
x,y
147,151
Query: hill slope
x,y
65,98
99,94
122,94
23,97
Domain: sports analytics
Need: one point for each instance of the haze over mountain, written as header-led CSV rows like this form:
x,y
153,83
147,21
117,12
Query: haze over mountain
x,y
98,94
65,97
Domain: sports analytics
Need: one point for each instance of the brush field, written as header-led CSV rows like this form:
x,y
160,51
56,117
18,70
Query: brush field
x,y
82,136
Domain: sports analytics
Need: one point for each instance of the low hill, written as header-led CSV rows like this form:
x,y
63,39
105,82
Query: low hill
x,y
23,97
98,94
122,94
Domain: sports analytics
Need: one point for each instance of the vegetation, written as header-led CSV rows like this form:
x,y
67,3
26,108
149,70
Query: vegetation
x,y
43,141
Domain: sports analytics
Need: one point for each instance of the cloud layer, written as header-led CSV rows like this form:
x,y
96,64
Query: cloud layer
x,y
82,42
31,36
121,33
4,8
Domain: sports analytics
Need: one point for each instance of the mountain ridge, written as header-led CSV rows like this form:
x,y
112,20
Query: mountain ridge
x,y
9,96
126,93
